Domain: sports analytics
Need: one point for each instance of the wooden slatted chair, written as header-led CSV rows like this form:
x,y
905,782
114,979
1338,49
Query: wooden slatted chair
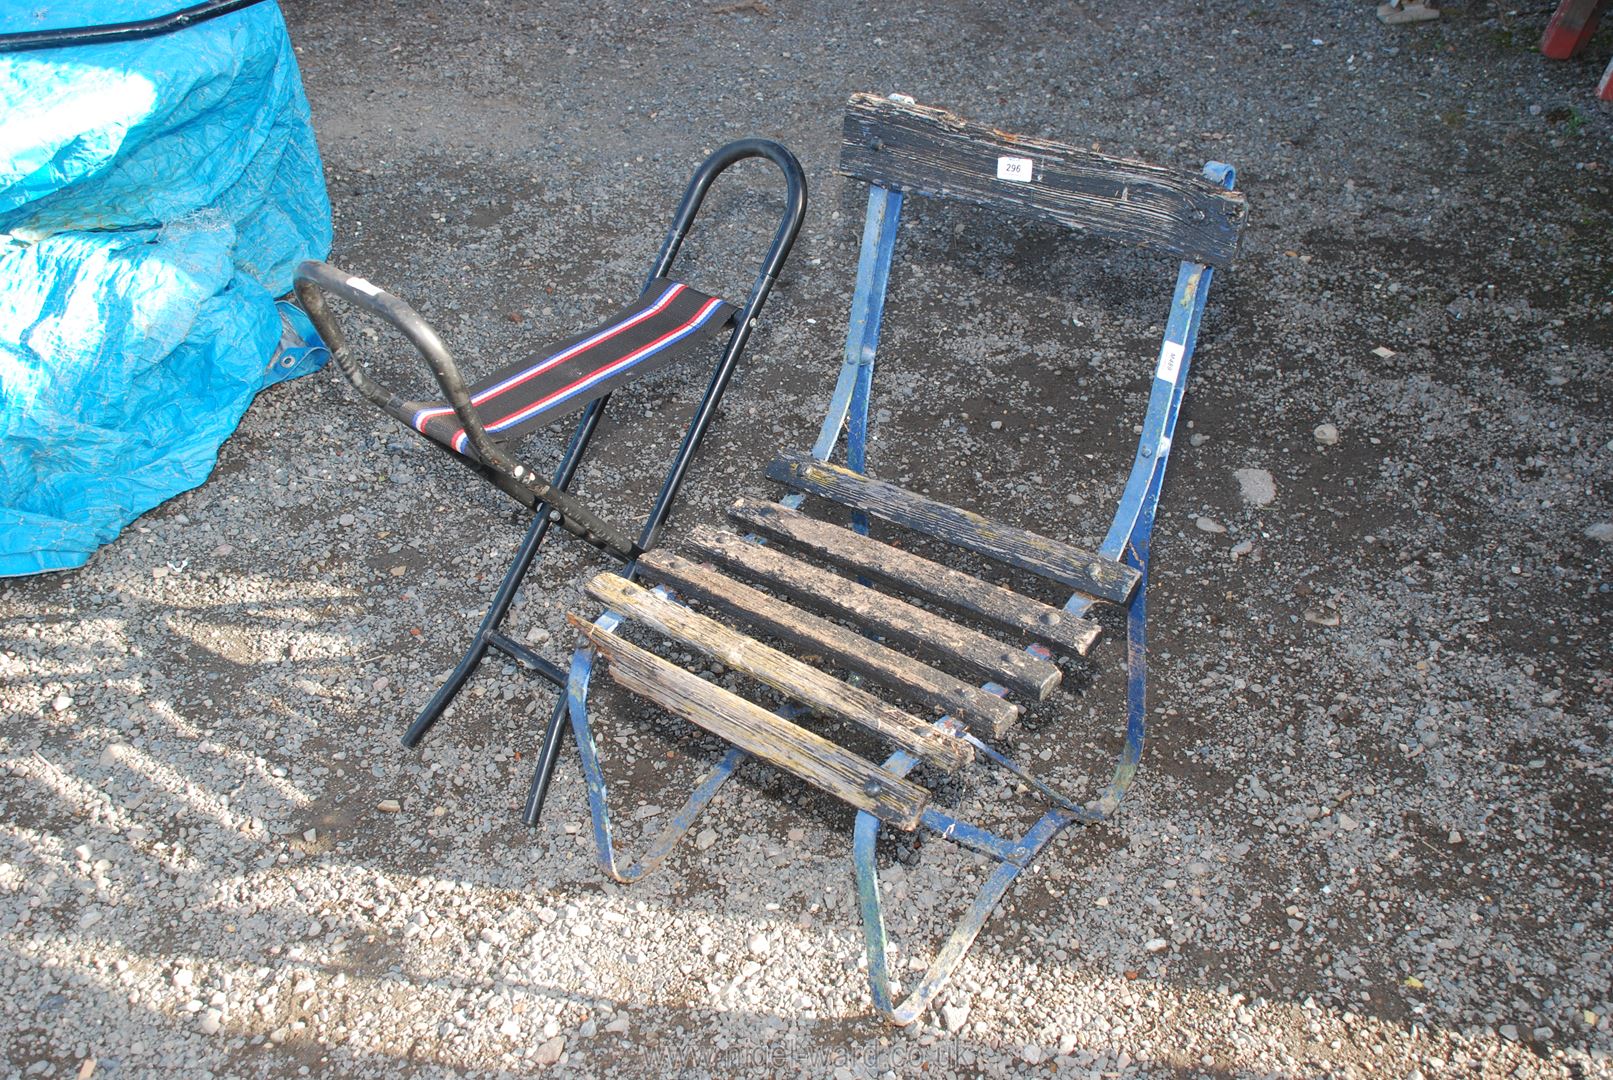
x,y
831,593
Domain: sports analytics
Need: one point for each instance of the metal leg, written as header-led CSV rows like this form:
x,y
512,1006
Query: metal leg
x,y
531,544
963,934
524,556
575,701
851,393
548,756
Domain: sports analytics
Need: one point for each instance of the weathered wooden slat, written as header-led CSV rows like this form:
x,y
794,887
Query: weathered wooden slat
x,y
842,647
922,577
931,152
750,727
822,691
1054,559
922,631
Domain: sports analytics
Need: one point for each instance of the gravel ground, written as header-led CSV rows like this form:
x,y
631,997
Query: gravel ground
x,y
1369,837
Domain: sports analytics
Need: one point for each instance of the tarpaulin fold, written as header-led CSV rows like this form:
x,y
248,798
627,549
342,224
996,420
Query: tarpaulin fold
x,y
155,198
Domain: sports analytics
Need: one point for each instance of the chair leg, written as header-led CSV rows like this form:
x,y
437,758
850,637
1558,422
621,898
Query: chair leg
x,y
531,543
524,556
573,703
1570,27
968,927
548,755
445,694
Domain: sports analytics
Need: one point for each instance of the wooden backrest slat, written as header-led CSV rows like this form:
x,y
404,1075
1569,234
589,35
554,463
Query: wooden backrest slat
x,y
931,152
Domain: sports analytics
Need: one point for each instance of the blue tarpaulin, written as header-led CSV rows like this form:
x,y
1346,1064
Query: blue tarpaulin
x,y
155,197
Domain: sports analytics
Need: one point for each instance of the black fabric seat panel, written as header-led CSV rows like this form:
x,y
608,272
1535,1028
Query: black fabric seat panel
x,y
665,322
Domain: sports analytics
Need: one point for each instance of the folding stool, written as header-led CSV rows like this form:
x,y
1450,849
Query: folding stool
x,y
479,424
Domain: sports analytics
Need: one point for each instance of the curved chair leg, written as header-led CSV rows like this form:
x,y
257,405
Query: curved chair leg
x,y
1012,856
582,667
963,934
531,543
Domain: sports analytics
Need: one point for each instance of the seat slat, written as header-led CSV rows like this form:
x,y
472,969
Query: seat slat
x,y
847,649
818,689
912,573
922,631
1084,570
819,762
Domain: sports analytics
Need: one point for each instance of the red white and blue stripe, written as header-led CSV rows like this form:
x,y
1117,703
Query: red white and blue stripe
x,y
581,386
652,332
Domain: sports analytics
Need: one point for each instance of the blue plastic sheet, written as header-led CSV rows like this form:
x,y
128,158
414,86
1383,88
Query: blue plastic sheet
x,y
155,198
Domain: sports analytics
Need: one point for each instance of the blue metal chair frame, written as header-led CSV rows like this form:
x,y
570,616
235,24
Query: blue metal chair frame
x,y
1128,540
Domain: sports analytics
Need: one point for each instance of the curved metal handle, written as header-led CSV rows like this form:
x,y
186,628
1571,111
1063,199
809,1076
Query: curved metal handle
x,y
314,279
700,183
795,199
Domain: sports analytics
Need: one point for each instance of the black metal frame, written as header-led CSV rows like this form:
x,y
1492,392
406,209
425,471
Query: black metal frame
x,y
550,500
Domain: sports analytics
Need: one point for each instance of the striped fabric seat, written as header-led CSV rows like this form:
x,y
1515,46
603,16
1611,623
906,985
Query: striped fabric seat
x,y
665,321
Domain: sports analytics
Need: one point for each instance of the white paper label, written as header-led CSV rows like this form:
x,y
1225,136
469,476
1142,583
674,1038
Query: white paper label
x,y
1019,169
1170,361
364,286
